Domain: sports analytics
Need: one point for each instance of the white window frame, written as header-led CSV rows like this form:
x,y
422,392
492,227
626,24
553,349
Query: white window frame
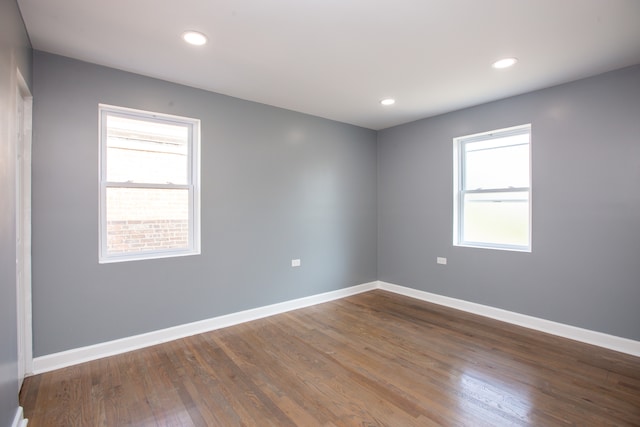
x,y
459,190
193,184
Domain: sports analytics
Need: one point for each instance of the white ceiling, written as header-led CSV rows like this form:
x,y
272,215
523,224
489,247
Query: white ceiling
x,y
338,58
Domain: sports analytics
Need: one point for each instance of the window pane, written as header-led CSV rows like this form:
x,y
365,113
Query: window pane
x,y
498,218
142,151
497,163
141,219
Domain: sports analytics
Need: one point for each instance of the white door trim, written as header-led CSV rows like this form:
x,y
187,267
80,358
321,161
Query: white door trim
x,y
24,107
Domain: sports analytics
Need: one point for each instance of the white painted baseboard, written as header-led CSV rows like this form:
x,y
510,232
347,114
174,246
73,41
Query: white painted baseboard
x,y
19,420
600,339
84,354
75,356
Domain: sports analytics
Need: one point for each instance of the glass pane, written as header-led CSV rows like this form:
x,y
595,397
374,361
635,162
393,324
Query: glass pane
x,y
497,163
499,218
141,219
143,151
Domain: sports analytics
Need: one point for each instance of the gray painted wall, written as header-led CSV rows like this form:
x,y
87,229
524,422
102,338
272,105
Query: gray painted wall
x,y
279,185
276,185
584,269
15,53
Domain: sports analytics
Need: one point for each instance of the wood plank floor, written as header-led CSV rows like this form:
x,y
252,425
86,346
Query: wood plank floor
x,y
374,359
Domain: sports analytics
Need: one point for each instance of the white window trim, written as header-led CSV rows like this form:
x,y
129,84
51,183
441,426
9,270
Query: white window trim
x,y
193,187
459,192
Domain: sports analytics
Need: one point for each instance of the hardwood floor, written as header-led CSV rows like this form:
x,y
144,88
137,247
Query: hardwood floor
x,y
374,359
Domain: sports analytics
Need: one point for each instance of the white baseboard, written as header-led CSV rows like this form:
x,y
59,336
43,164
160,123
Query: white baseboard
x,y
623,345
19,420
75,356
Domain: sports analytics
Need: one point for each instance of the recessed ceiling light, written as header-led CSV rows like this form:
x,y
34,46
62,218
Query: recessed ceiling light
x,y
194,37
388,101
505,63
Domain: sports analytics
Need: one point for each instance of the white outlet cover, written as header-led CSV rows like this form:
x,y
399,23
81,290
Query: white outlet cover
x,y
295,263
441,260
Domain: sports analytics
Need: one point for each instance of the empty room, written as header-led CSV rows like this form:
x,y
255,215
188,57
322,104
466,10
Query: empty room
x,y
318,213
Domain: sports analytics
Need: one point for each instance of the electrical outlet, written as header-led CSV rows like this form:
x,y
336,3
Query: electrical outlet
x,y
295,263
441,260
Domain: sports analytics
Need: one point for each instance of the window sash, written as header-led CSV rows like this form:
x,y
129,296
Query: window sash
x,y
497,203
190,124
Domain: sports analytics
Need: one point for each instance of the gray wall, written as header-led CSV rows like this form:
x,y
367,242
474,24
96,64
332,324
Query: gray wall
x,y
584,269
15,53
276,185
279,185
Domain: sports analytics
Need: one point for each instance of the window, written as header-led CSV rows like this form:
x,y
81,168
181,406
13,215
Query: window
x,y
149,185
492,189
